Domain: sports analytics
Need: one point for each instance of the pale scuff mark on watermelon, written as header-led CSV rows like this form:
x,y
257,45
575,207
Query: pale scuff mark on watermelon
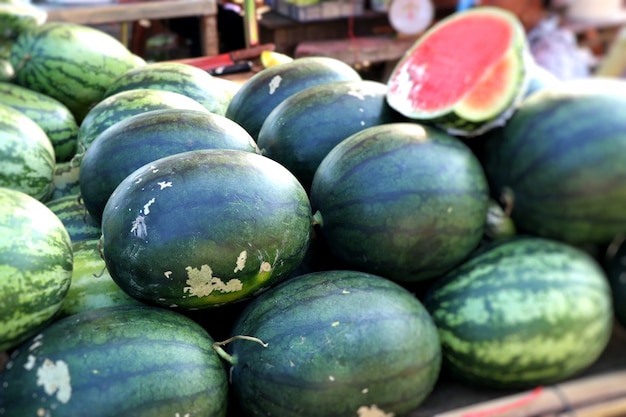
x,y
164,184
241,261
182,415
36,342
146,207
275,83
372,411
360,93
30,363
139,227
201,282
331,378
365,390
54,377
168,274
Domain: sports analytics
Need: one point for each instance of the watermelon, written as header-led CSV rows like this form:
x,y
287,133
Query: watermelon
x,y
92,286
73,214
334,343
262,92
205,228
16,18
65,178
116,361
145,137
466,73
522,312
178,77
50,114
557,164
117,107
35,266
27,157
401,200
72,63
302,129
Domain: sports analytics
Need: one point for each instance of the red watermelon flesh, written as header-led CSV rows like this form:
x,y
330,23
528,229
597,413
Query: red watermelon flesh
x,y
453,59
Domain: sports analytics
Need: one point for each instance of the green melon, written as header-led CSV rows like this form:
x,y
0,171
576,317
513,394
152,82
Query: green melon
x,y
466,73
27,158
401,200
336,343
50,114
178,77
262,92
205,228
302,129
557,164
522,312
145,137
116,361
35,267
72,63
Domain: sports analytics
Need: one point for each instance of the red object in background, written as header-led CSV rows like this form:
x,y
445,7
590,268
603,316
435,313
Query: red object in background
x,y
227,59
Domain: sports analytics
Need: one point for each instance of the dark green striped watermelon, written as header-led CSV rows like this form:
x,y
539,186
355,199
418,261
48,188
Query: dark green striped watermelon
x,y
522,312
401,200
205,228
302,129
337,343
80,224
27,158
128,103
145,137
72,63
35,266
262,92
50,114
557,164
466,73
178,77
92,286
116,361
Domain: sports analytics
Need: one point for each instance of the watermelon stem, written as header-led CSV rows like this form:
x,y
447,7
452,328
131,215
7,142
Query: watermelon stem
x,y
217,346
508,200
317,219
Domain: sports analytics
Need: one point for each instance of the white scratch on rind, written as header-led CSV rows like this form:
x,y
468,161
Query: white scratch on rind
x,y
275,83
30,363
55,379
241,261
168,274
360,94
139,227
146,207
164,184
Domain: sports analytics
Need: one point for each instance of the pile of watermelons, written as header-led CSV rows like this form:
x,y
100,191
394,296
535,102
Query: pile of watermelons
x,y
308,243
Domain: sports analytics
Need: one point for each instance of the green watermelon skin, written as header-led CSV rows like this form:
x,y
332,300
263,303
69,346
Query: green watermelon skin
x,y
50,114
560,167
401,200
27,157
65,179
205,228
18,17
302,129
339,343
73,214
266,89
35,266
118,107
522,312
92,286
615,266
148,136
72,63
116,361
177,77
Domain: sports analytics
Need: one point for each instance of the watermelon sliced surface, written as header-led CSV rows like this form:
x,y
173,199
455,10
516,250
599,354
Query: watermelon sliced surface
x,y
465,74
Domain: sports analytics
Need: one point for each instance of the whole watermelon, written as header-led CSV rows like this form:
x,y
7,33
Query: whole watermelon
x,y
72,63
401,200
558,164
36,264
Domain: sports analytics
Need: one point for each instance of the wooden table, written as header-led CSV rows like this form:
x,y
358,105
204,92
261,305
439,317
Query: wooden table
x,y
125,12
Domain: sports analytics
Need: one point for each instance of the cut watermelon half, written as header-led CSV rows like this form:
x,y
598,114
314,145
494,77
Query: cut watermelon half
x,y
466,73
